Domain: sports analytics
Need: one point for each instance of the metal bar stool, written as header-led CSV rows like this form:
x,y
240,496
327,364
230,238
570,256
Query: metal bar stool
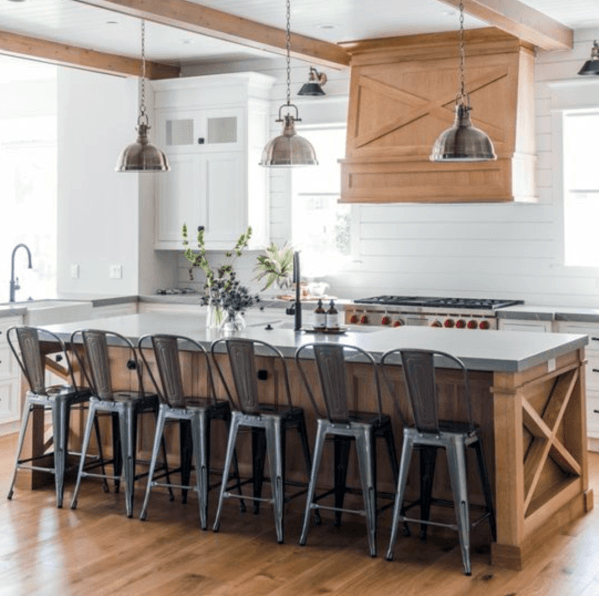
x,y
344,427
269,424
59,399
429,431
124,407
194,415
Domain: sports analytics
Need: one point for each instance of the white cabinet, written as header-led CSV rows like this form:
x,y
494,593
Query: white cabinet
x,y
592,375
213,129
10,375
524,325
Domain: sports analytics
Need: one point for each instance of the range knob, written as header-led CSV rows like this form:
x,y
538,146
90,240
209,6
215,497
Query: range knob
x,y
460,323
363,319
386,320
436,323
353,319
449,323
484,325
398,323
472,324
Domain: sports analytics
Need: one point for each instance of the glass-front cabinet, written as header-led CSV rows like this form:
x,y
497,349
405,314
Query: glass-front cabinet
x,y
212,129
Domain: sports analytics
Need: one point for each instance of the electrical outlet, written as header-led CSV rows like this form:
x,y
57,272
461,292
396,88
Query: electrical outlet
x,y
74,271
116,271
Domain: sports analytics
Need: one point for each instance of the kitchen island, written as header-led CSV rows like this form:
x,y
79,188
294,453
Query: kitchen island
x,y
528,399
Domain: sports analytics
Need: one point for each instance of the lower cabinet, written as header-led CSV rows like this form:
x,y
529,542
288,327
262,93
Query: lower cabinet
x,y
10,377
524,325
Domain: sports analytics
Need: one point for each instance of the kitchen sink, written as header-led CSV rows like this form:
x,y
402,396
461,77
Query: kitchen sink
x,y
49,312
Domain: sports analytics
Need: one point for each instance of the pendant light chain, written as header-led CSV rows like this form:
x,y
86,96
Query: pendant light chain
x,y
288,32
462,55
142,105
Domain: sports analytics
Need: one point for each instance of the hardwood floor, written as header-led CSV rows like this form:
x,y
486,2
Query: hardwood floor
x,y
96,550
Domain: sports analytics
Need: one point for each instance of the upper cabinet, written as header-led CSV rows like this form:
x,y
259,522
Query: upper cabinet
x,y
402,96
213,129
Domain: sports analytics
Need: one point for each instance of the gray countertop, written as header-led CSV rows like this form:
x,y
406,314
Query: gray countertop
x,y
488,350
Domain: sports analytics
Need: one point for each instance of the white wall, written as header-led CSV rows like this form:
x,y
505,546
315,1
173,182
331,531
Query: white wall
x,y
477,250
104,218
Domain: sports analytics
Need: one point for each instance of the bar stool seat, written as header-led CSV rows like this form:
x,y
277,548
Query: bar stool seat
x,y
194,414
60,400
429,433
344,427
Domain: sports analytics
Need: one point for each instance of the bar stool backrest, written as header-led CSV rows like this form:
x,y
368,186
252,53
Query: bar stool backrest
x,y
242,359
419,375
167,354
29,356
332,373
96,367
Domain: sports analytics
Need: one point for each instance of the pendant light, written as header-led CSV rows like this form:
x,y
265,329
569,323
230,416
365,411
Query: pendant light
x,y
463,142
591,67
316,81
288,149
142,156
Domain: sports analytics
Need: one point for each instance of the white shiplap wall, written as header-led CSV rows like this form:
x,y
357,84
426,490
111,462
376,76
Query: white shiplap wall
x,y
474,250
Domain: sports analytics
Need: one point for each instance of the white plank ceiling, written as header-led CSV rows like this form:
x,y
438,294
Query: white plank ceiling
x,y
331,20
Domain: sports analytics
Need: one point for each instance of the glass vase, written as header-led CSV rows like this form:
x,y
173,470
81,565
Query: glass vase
x,y
233,321
214,316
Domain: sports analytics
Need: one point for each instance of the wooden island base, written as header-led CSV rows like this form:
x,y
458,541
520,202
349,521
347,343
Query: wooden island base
x,y
534,435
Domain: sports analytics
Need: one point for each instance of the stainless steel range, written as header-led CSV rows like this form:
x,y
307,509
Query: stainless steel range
x,y
395,311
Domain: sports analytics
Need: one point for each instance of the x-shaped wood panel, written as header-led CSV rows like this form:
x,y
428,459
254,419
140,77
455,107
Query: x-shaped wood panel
x,y
544,429
436,106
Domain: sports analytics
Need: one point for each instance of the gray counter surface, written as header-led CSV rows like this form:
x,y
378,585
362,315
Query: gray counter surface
x,y
489,350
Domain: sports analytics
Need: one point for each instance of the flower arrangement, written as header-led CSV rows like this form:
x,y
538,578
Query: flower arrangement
x,y
224,294
276,265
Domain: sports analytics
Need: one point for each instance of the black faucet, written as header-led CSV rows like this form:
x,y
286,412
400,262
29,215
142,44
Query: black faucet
x,y
14,282
296,306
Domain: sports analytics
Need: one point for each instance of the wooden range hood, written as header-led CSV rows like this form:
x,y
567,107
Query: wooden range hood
x,y
402,96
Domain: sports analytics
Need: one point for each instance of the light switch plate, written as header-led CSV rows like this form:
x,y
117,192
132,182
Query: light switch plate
x,y
116,272
74,271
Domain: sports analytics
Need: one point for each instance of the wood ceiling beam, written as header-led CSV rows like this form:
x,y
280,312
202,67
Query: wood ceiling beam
x,y
221,25
520,20
67,55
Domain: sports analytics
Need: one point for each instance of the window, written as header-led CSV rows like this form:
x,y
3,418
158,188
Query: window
x,y
320,225
28,175
581,187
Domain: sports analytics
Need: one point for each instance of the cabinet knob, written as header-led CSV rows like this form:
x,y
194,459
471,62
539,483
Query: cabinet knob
x,y
200,140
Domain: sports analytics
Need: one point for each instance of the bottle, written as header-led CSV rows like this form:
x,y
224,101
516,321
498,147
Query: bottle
x,y
332,317
320,316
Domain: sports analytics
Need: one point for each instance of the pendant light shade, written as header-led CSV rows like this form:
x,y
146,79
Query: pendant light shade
x,y
591,67
463,142
316,81
288,149
142,156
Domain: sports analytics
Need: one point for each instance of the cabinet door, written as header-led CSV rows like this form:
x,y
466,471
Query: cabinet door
x,y
180,199
182,131
226,213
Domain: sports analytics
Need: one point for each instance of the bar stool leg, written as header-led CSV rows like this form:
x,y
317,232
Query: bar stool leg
x,y
117,451
456,460
100,453
59,432
484,478
228,459
126,422
363,446
428,458
258,462
199,440
22,431
303,433
86,438
342,448
275,461
155,449
404,467
318,447
227,420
